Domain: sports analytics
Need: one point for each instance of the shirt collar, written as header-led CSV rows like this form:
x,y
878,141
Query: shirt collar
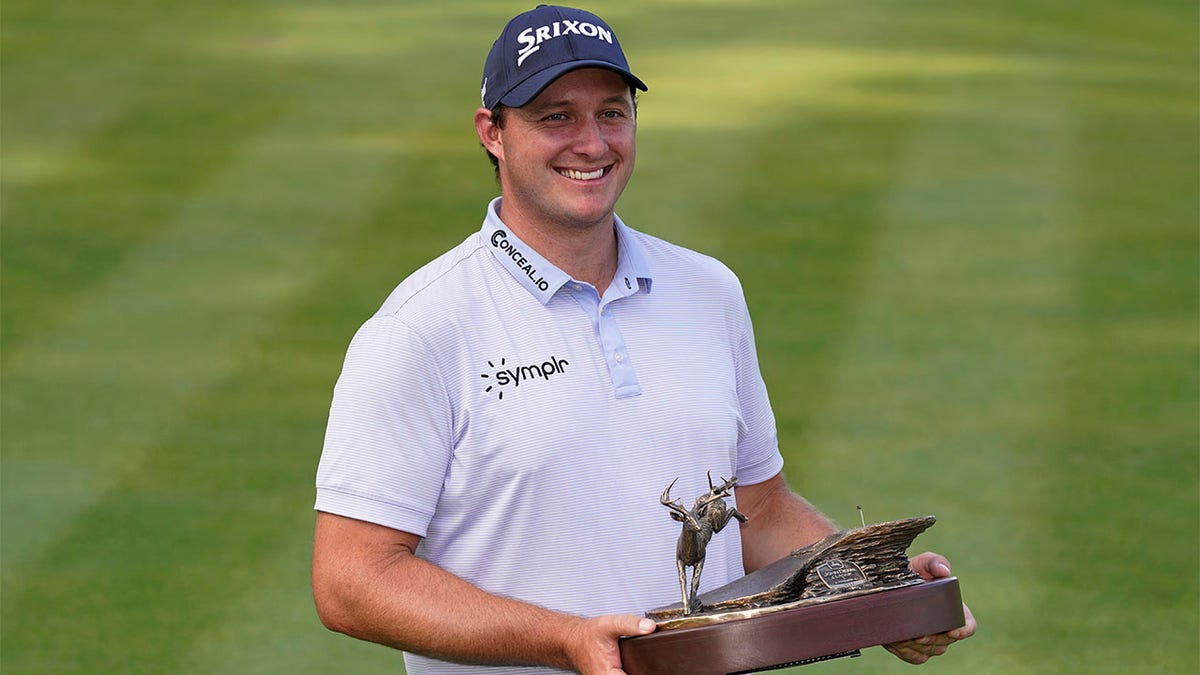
x,y
633,275
541,278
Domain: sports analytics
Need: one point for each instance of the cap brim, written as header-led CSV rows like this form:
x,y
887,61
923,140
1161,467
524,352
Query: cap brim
x,y
529,89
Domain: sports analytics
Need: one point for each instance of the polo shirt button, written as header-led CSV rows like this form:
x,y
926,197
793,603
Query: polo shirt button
x,y
577,287
618,356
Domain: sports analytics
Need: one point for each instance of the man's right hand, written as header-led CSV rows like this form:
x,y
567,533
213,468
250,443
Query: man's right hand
x,y
594,643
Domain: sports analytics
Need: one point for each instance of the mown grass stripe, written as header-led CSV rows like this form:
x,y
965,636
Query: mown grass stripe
x,y
127,365
950,360
1126,451
107,128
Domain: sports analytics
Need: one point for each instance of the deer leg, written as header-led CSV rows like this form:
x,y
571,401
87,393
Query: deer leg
x,y
728,516
694,600
683,586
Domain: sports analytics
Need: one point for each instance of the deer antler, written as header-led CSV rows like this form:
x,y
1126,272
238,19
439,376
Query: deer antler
x,y
673,504
714,492
726,484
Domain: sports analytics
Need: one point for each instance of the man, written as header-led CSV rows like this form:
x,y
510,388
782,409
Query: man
x,y
503,426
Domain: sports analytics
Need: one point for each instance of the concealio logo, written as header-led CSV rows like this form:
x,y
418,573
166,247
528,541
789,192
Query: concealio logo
x,y
500,241
503,377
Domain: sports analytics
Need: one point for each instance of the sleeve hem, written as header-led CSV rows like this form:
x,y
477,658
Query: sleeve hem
x,y
371,510
761,471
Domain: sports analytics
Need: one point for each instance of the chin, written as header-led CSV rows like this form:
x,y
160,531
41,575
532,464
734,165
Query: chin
x,y
591,217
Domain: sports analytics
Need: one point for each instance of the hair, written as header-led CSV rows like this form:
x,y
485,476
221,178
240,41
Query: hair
x,y
500,114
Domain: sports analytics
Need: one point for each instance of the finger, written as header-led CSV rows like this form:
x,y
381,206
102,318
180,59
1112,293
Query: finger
x,y
617,625
927,643
907,655
930,566
644,627
930,648
967,629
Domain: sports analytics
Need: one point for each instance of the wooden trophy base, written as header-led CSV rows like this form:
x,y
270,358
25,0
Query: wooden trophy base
x,y
797,636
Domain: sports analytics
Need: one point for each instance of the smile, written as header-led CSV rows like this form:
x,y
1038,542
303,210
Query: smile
x,y
584,175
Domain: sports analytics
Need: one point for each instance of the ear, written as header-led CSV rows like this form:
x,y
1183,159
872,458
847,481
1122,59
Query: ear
x,y
489,134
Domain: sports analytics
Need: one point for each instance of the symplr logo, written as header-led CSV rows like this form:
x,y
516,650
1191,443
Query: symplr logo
x,y
501,377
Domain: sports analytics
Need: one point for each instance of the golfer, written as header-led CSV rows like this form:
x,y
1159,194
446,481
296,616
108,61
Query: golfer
x,y
503,426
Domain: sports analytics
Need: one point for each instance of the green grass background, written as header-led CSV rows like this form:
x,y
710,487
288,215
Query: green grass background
x,y
967,232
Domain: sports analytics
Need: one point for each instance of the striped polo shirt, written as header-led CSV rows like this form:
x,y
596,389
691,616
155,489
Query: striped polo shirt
x,y
525,426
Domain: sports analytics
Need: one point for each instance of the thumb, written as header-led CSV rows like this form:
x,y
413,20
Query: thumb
x,y
930,566
645,626
630,624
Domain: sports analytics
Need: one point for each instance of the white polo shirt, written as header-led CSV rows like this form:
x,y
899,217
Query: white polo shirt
x,y
525,427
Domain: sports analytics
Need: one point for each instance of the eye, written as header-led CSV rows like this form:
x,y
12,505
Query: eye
x,y
554,117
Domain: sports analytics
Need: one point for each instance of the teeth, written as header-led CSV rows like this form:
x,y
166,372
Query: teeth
x,y
580,175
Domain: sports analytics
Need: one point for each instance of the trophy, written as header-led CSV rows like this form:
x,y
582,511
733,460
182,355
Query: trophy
x,y
851,590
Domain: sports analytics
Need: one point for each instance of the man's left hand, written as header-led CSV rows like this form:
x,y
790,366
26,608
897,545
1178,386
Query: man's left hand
x,y
919,650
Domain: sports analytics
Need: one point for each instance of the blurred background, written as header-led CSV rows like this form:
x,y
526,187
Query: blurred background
x,y
968,235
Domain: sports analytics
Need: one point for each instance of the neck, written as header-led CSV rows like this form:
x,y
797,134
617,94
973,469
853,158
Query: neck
x,y
586,252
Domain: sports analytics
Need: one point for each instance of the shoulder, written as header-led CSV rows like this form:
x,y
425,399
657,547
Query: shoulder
x,y
448,279
424,309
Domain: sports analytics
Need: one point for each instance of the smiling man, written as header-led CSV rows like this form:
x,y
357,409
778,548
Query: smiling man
x,y
488,492
564,159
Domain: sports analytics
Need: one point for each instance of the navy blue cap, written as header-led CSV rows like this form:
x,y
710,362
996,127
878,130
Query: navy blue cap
x,y
539,46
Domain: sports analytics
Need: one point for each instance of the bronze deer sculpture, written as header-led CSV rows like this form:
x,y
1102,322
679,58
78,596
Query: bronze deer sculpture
x,y
709,515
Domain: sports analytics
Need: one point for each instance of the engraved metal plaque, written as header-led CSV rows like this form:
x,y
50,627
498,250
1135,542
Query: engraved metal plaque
x,y
840,574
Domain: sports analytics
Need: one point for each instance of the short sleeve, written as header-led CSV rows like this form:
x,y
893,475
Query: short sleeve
x,y
389,440
758,443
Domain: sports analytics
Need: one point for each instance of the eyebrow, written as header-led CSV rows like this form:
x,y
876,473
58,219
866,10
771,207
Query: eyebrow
x,y
615,99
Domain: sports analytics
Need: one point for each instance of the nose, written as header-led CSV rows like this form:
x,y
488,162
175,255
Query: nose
x,y
589,139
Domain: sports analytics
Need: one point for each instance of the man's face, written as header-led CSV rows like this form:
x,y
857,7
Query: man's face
x,y
567,155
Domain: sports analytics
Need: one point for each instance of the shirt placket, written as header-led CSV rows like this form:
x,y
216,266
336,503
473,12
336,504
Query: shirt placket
x,y
608,334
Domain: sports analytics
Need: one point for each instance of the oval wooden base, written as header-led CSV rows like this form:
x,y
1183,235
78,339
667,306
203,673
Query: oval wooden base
x,y
795,635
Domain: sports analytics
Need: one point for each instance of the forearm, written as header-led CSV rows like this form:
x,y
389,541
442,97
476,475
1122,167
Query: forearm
x,y
780,521
379,591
